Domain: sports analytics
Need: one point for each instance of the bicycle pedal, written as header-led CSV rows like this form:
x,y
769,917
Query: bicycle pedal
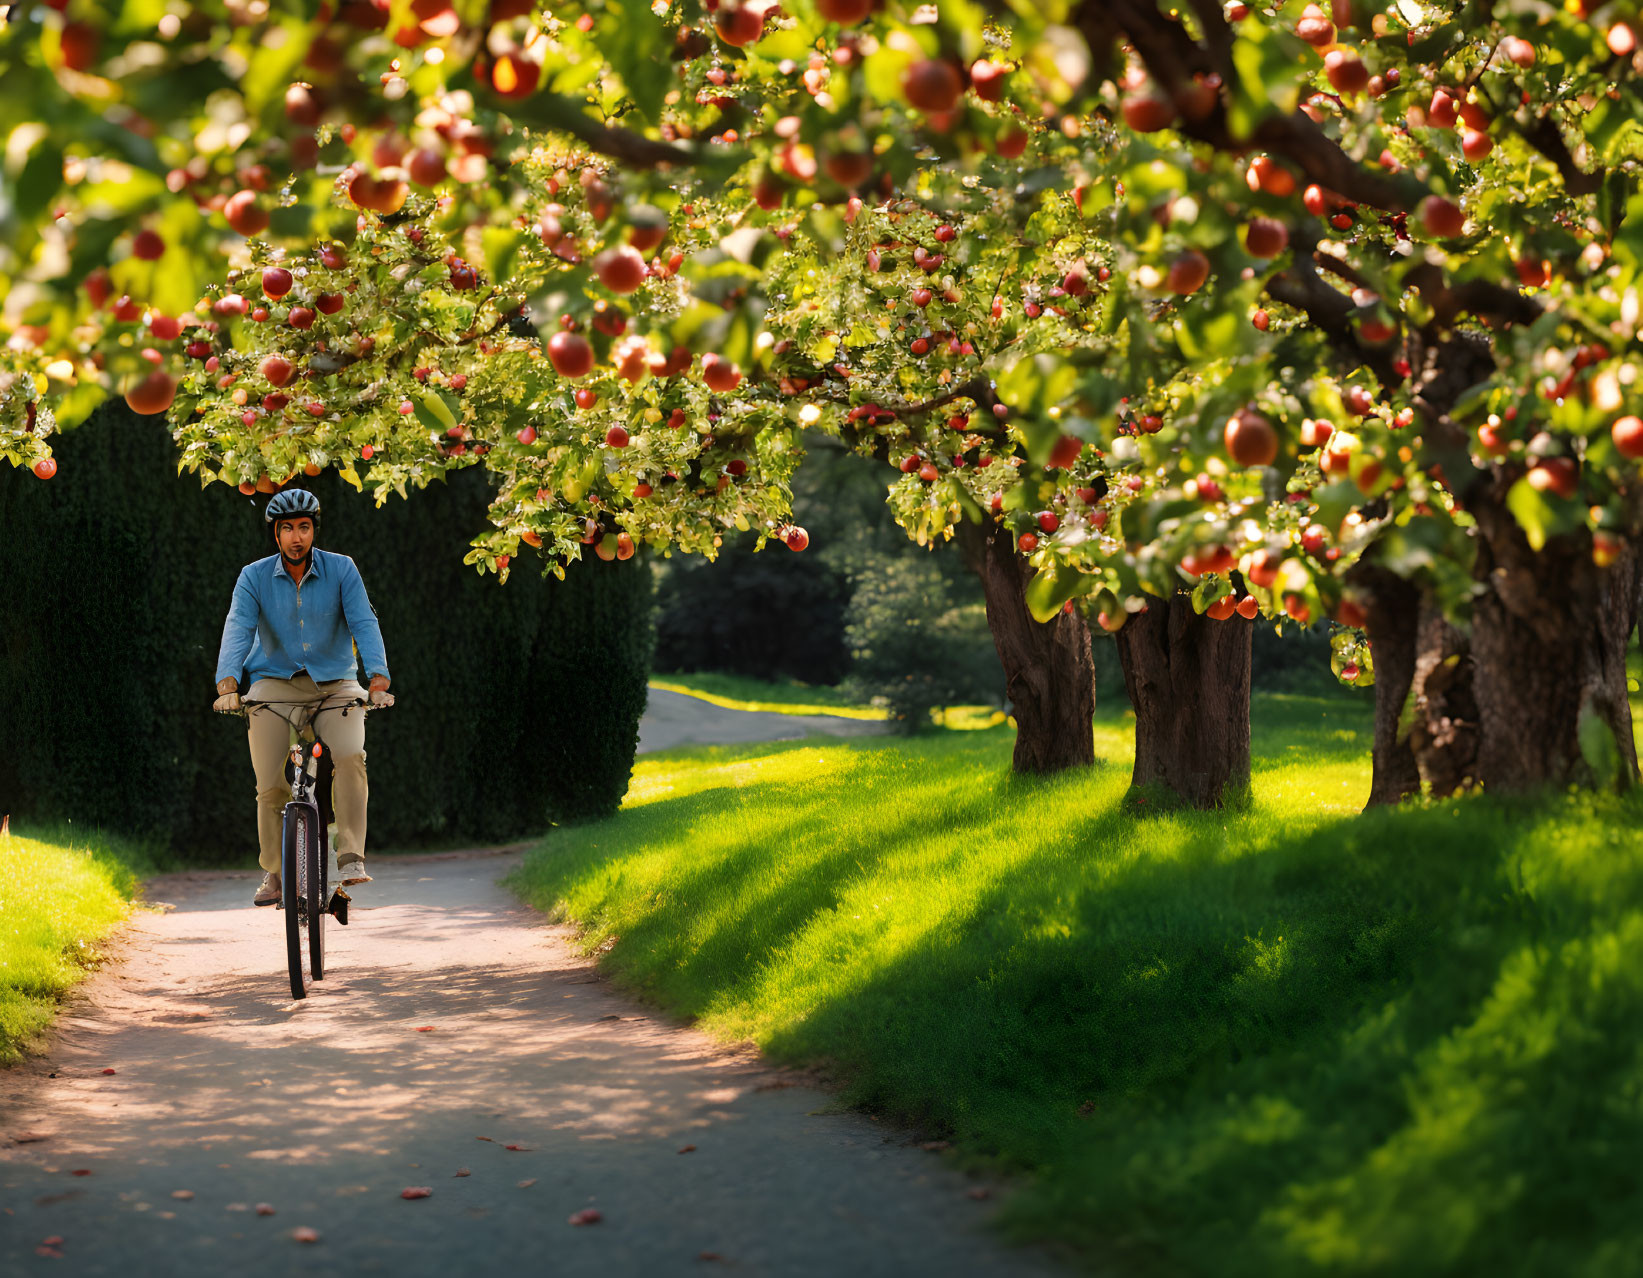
x,y
338,908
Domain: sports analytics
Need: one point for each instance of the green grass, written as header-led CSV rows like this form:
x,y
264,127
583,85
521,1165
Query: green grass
x,y
59,895
1286,1040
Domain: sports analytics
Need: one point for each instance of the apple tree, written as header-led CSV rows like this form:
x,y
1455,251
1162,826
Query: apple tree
x,y
1172,319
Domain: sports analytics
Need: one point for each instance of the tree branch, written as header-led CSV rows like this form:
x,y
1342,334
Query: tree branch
x,y
1547,138
1477,297
1301,286
563,115
1172,57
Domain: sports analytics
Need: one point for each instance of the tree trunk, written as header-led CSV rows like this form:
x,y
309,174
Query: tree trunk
x,y
1188,680
1392,608
1048,670
1443,716
1549,636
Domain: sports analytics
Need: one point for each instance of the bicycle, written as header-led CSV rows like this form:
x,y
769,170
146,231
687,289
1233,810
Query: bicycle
x,y
305,850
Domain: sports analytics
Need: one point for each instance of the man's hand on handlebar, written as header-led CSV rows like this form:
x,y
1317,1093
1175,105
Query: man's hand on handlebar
x,y
380,696
228,696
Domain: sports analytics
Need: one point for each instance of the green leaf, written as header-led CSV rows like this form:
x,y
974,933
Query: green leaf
x,y
1541,517
40,180
1267,77
434,412
501,246
1052,587
1598,746
1208,590
1334,501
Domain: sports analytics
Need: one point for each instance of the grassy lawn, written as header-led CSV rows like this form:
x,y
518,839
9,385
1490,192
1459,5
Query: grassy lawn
x,y
59,895
1287,1040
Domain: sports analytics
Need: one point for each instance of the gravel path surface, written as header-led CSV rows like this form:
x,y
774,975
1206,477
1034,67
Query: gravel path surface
x,y
182,1088
673,719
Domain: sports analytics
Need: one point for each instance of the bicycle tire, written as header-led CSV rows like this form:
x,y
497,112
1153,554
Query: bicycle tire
x,y
298,827
318,855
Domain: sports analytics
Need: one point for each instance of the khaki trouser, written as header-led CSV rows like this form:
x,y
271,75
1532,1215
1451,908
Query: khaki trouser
x,y
271,742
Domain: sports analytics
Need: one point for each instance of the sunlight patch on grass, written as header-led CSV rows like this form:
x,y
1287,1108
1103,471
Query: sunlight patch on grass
x,y
58,897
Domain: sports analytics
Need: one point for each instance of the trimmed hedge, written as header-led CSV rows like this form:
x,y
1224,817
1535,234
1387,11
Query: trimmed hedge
x,y
518,704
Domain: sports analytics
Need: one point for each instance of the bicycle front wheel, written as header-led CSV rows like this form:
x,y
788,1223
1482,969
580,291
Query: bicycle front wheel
x,y
317,857
294,879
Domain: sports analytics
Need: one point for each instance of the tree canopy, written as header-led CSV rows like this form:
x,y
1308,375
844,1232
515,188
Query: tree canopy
x,y
1238,299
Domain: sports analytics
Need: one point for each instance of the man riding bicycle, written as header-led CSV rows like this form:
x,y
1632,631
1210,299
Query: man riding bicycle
x,y
297,620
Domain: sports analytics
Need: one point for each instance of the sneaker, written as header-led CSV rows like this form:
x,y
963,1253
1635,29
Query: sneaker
x,y
269,892
351,870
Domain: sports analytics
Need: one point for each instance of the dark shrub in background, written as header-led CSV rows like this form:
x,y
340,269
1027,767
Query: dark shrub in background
x,y
518,704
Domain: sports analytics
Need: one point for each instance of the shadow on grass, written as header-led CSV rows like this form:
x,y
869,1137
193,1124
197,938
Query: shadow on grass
x,y
1366,1048
1276,1041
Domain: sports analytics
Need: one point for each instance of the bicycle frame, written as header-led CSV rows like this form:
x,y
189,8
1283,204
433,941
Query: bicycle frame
x,y
304,846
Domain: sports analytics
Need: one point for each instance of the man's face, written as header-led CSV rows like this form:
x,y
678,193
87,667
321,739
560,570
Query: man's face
x,y
295,536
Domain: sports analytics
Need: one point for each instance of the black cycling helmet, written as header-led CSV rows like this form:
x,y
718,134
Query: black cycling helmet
x,y
293,503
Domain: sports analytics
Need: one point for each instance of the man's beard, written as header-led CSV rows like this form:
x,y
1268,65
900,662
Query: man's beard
x,y
306,556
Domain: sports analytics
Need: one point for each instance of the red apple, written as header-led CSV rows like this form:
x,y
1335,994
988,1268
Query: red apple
x,y
79,45
1315,27
570,354
152,393
620,269
1250,439
426,167
515,76
1187,273
847,13
1148,112
276,281
1627,433
739,25
720,374
278,371
1264,237
1065,452
987,79
245,216
1558,475
932,85
1442,218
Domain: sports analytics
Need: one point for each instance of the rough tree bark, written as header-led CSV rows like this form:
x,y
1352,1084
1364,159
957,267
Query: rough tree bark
x,y
1048,671
1549,638
1426,718
1188,680
1392,617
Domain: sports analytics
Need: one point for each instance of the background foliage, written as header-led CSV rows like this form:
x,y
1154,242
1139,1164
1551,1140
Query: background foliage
x,y
117,578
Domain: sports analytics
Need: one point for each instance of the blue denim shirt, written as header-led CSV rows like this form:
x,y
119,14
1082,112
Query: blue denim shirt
x,y
276,627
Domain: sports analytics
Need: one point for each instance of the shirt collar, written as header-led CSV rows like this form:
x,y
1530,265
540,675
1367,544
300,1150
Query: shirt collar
x,y
313,565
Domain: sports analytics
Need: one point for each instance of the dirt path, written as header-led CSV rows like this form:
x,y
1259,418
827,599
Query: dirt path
x,y
225,1094
673,719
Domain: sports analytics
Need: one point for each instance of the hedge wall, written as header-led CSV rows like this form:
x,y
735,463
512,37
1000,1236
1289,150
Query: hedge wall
x,y
518,705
